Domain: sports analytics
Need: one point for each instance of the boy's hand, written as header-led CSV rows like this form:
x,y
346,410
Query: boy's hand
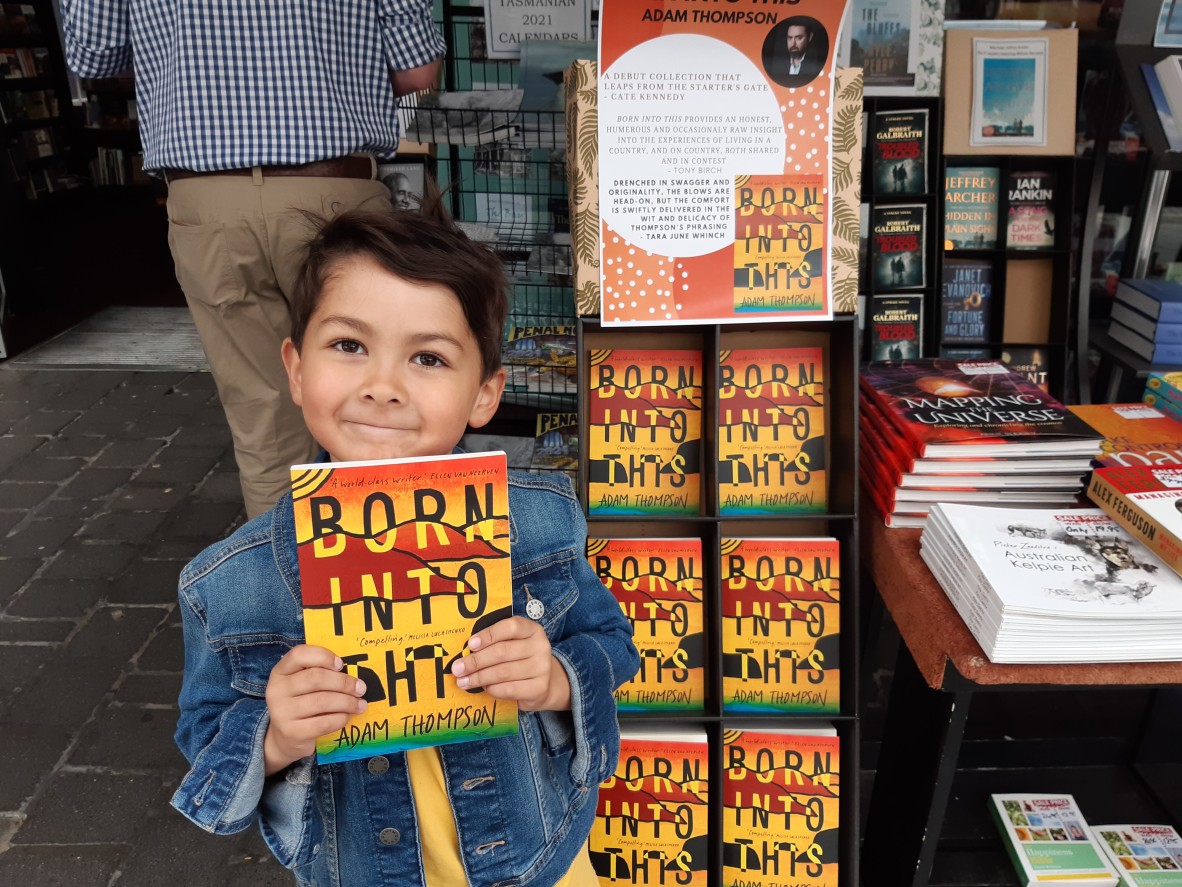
x,y
512,660
307,695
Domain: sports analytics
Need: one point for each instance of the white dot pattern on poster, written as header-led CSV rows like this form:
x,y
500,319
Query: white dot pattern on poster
x,y
806,112
645,283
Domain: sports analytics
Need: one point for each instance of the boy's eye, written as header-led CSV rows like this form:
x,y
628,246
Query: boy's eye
x,y
349,346
428,359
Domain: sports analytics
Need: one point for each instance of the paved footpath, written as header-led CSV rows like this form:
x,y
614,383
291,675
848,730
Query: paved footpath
x,y
109,483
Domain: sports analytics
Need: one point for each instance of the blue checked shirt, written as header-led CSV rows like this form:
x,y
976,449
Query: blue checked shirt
x,y
224,84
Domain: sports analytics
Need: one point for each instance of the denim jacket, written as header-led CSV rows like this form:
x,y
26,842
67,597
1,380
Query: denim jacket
x,y
523,804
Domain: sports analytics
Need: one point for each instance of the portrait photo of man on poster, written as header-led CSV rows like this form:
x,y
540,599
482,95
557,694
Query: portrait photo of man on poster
x,y
795,50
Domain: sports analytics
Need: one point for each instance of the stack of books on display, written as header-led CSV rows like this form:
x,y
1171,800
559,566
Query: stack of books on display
x,y
1054,585
1049,842
1147,319
1163,391
946,430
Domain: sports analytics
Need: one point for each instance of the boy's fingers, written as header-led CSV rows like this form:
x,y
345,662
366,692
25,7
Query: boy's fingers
x,y
308,656
506,629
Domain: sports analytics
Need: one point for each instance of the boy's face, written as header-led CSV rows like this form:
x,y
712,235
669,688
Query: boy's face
x,y
389,368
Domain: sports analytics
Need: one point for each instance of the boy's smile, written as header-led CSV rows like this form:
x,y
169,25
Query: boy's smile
x,y
389,368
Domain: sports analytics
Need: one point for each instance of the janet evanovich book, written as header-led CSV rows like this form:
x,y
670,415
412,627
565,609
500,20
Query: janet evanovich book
x,y
401,562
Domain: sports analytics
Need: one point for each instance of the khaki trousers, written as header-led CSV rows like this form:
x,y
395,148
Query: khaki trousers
x,y
237,242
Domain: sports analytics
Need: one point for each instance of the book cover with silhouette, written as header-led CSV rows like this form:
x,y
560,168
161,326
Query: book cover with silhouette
x,y
899,157
644,434
781,626
652,819
400,562
781,792
1031,215
771,431
659,585
897,246
896,327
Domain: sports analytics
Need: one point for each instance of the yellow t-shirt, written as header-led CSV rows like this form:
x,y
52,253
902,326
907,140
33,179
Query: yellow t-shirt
x,y
441,854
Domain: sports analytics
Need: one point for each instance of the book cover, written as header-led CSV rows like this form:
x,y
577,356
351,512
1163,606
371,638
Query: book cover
x,y
1167,385
1147,502
966,295
1030,197
652,819
896,327
644,413
659,585
1167,407
1168,31
1135,434
781,626
1146,327
952,408
1048,840
883,43
1160,300
1169,124
970,207
556,443
400,562
1009,92
772,445
780,800
899,152
897,246
1029,360
540,345
1144,855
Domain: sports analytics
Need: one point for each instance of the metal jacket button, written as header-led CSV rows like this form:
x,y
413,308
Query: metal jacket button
x,y
379,765
389,836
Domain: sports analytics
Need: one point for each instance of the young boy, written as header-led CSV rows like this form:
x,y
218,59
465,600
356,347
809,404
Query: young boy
x,y
394,351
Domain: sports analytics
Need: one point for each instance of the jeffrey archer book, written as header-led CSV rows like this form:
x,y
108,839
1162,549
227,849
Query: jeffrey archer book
x,y
644,435
401,561
781,625
970,207
771,431
659,585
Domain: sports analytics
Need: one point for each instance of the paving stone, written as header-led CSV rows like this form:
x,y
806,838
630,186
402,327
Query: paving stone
x,y
15,448
35,631
82,445
37,467
115,631
127,454
216,434
30,753
91,561
85,396
138,496
10,518
220,486
68,598
45,422
207,521
66,809
115,525
155,425
40,537
14,573
66,691
177,549
20,665
10,413
20,494
95,483
74,510
149,689
186,465
147,582
56,865
104,741
166,652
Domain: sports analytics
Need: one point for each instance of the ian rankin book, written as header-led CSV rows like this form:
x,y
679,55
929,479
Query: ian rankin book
x,y
781,625
659,585
1049,842
1145,855
401,561
644,432
1030,220
781,793
897,246
771,431
652,822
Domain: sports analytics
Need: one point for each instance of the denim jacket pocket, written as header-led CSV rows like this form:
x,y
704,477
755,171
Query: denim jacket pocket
x,y
251,661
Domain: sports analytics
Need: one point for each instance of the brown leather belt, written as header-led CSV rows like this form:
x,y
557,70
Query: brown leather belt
x,y
352,167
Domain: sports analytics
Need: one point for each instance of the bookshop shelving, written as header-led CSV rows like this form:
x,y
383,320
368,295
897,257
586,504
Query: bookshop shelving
x,y
840,342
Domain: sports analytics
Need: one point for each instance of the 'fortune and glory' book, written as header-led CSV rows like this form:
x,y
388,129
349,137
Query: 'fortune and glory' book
x,y
401,562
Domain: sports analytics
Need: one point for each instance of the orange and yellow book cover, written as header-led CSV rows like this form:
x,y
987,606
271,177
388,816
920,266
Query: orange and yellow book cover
x,y
659,585
644,432
1134,434
781,626
401,561
652,823
781,791
771,431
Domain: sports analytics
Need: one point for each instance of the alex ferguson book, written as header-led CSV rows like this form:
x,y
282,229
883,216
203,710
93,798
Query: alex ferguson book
x,y
1147,502
944,408
780,798
1048,841
652,820
401,561
659,585
1144,855
965,299
899,152
970,207
771,431
896,327
644,435
1030,222
781,625
897,246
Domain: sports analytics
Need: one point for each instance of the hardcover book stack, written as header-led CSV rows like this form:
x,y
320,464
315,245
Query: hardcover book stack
x,y
1147,319
1054,586
943,430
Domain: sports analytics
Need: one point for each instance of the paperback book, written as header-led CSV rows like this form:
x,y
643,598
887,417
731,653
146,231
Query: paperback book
x,y
899,152
659,585
1031,214
970,207
1147,502
400,563
644,444
1029,360
965,301
556,443
1135,434
896,327
771,431
1048,841
781,626
652,819
897,246
781,790
1144,855
1166,385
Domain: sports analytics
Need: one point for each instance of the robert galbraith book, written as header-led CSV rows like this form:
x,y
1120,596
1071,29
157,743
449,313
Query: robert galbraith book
x,y
897,245
644,432
401,561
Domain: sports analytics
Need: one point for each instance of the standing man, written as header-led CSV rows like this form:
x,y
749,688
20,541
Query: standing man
x,y
253,110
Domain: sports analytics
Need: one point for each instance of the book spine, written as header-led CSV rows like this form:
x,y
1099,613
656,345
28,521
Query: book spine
x,y
1163,386
1134,518
1164,405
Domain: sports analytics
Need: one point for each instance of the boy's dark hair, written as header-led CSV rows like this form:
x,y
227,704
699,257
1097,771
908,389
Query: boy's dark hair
x,y
422,246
